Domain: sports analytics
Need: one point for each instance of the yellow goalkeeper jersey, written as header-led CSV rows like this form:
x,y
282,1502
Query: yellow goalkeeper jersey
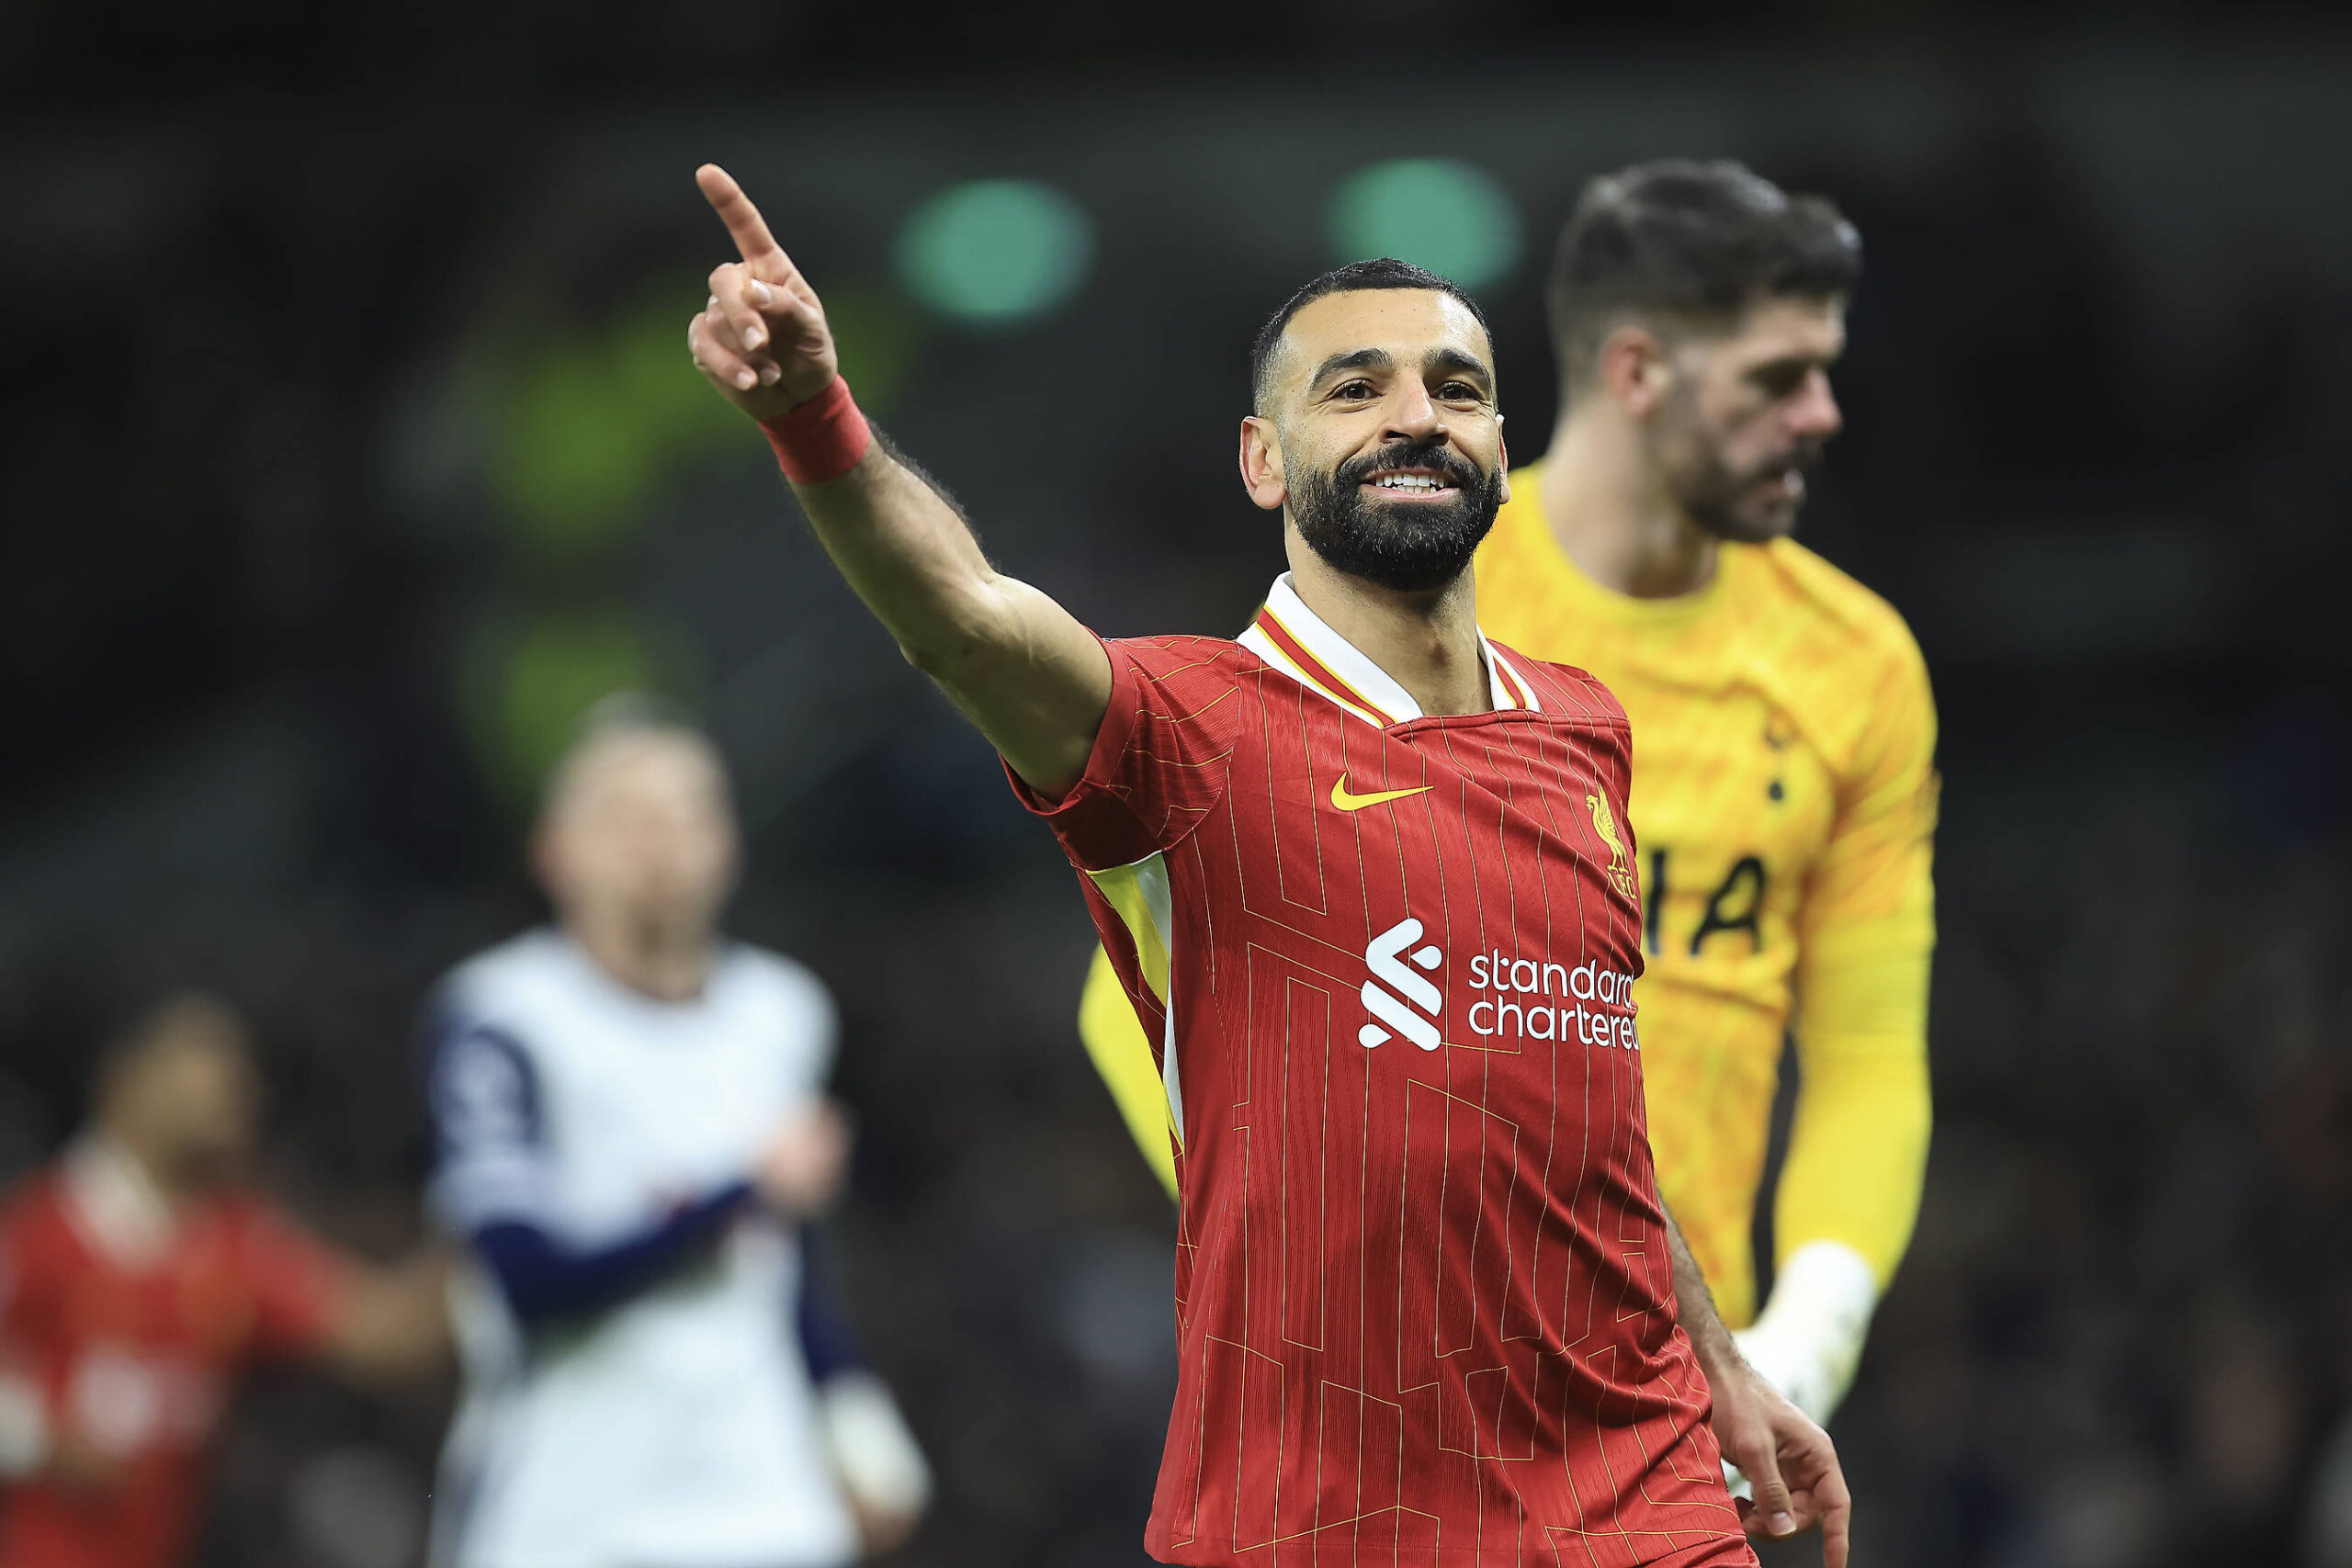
x,y
1783,810
1783,806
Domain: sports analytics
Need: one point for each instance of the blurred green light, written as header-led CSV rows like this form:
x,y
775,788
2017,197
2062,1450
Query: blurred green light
x,y
527,677
995,251
1448,217
583,435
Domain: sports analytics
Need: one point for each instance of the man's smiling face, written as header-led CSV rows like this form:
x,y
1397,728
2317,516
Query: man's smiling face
x,y
1383,445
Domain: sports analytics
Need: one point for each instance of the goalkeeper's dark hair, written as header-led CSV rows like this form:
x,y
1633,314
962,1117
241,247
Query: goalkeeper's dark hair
x,y
1381,272
1677,243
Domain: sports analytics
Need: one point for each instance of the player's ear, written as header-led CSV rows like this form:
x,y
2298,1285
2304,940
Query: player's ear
x,y
1634,370
1502,464
1261,463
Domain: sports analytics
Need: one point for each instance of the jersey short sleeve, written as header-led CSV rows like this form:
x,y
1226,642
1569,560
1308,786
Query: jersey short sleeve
x,y
1160,760
809,1026
488,1128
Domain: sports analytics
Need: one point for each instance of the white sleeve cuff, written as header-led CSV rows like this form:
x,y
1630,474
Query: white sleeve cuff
x,y
879,1462
1808,1339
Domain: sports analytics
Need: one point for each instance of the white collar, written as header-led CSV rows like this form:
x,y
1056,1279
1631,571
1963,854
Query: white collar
x,y
1295,640
115,1203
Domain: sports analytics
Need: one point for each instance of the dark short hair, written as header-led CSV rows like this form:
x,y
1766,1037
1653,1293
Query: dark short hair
x,y
1697,241
132,1034
1381,272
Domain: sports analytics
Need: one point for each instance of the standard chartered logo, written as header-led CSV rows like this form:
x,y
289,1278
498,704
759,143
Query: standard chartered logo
x,y
1385,957
1537,1016
1525,998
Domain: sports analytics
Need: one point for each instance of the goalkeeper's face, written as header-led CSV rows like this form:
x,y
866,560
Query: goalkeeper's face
x,y
641,836
1747,414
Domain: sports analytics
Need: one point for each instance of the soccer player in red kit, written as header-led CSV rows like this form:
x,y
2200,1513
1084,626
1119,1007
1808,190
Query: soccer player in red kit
x,y
138,1279
1367,875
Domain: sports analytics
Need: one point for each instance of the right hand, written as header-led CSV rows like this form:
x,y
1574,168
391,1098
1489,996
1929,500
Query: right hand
x,y
801,1169
1788,1460
763,340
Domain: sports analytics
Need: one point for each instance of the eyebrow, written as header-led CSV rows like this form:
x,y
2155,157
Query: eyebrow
x,y
1355,359
1795,359
1467,364
1452,359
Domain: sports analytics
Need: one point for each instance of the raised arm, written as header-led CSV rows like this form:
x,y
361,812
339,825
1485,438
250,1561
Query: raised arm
x,y
1033,680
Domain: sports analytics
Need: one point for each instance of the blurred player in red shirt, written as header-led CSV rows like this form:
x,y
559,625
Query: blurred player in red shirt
x,y
139,1276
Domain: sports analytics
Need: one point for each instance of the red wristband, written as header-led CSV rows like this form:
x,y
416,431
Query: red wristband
x,y
820,439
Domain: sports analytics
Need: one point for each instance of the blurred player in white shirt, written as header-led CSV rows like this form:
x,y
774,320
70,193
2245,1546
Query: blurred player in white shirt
x,y
632,1132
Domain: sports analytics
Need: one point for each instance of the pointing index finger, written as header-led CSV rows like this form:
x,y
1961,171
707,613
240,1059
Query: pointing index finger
x,y
743,222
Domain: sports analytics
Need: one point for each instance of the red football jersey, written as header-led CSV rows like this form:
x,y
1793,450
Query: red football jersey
x,y
130,1326
1424,1298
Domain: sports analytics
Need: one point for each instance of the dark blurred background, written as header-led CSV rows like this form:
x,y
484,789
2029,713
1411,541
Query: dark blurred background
x,y
349,447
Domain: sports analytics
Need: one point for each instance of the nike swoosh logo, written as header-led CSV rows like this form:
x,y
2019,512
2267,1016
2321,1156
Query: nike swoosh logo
x,y
1346,802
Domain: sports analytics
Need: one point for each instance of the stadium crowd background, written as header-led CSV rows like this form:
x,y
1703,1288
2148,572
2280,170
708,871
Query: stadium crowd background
x,y
350,450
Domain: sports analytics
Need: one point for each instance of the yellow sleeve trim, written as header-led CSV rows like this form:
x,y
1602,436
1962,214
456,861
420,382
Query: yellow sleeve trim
x,y
1139,894
1115,1039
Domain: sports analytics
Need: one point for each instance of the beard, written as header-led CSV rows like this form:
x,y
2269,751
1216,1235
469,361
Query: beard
x,y
1747,504
1409,545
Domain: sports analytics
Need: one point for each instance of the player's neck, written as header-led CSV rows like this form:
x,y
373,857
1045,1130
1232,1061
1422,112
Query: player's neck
x,y
136,1169
1611,511
669,966
1427,642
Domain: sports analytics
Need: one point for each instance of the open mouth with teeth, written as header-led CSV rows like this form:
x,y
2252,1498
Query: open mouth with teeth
x,y
1415,483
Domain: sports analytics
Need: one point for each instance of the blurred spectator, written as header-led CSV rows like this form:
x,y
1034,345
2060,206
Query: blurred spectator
x,y
632,1139
139,1278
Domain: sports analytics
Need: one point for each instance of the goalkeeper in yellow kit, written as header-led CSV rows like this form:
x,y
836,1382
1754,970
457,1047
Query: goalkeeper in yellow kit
x,y
1784,792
